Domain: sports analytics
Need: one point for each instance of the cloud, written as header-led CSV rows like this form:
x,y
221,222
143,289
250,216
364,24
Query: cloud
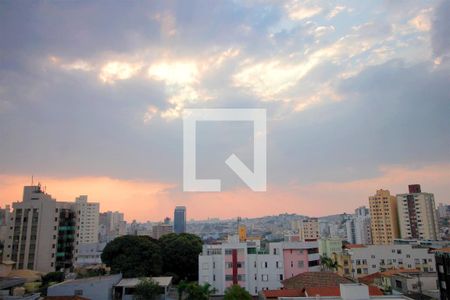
x,y
116,70
299,10
344,95
336,11
440,31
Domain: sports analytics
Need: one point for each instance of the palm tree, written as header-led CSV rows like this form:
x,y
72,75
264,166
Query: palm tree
x,y
328,264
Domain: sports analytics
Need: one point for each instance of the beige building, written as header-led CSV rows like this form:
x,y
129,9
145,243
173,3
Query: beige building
x,y
33,234
161,229
417,215
87,220
383,218
309,229
43,232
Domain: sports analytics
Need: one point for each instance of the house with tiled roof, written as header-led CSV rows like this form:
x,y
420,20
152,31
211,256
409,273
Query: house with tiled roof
x,y
314,279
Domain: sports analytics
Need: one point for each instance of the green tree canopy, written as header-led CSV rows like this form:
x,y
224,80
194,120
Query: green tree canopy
x,y
194,291
147,289
180,255
236,292
133,256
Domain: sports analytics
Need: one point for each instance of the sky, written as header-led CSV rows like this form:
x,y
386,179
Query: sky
x,y
92,93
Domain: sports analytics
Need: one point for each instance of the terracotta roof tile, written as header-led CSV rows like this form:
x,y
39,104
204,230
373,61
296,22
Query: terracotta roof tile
x,y
314,279
335,291
269,294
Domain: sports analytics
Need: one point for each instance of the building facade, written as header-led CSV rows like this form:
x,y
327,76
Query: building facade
x,y
358,260
383,217
87,220
443,272
111,225
179,219
328,246
309,229
254,268
43,233
417,215
161,229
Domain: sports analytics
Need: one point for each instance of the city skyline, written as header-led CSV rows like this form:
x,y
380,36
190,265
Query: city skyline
x,y
170,210
356,93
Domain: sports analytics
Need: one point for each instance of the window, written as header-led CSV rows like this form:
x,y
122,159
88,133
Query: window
x,y
264,277
301,264
281,277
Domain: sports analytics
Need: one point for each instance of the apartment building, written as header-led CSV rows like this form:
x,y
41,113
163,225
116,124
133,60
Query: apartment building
x,y
417,215
361,260
43,232
328,246
87,220
111,225
33,234
255,268
161,229
309,229
383,217
359,230
443,272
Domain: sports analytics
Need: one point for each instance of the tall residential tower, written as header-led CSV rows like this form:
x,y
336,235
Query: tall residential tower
x,y
383,217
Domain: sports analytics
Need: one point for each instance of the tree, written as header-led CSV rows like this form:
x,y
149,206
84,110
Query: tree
x,y
133,256
181,287
328,263
195,291
236,292
180,255
52,277
147,289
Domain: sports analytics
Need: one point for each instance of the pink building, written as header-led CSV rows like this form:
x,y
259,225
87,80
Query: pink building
x,y
253,267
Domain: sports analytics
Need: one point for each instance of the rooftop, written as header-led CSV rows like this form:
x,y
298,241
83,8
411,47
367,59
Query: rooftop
x,y
335,291
131,282
274,294
314,279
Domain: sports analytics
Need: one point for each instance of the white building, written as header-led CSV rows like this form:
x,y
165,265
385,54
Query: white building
x,y
348,291
254,268
87,220
417,215
358,227
89,254
358,261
